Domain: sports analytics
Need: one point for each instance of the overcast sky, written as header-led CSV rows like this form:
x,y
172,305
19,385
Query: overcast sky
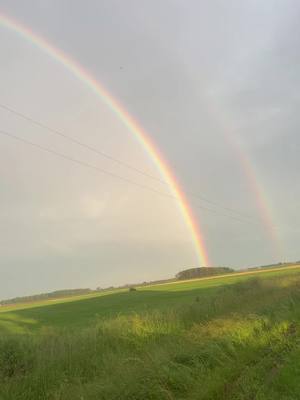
x,y
216,86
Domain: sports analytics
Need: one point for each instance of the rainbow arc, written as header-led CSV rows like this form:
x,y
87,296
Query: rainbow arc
x,y
130,123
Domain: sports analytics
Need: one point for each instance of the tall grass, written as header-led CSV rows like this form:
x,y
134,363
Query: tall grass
x,y
228,346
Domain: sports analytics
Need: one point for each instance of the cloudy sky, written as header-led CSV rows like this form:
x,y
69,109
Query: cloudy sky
x,y
214,84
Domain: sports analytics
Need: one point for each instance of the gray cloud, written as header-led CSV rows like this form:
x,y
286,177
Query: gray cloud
x,y
191,74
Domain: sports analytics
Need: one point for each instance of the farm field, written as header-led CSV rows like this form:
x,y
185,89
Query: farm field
x,y
231,337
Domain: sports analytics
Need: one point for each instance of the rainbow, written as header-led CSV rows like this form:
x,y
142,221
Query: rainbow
x,y
145,140
263,205
260,197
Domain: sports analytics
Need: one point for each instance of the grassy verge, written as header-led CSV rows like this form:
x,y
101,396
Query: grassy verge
x,y
233,341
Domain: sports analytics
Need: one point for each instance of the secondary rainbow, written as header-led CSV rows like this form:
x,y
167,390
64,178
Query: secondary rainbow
x,y
83,75
225,120
262,203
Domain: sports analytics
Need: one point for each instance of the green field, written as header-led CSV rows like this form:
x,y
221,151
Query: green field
x,y
233,337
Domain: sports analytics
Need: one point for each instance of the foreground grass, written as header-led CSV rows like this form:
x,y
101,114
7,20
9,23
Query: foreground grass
x,y
224,339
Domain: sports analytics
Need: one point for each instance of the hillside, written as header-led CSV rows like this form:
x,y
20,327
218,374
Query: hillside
x,y
187,274
66,293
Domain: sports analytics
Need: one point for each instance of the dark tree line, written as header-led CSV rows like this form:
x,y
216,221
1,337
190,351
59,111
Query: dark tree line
x,y
202,272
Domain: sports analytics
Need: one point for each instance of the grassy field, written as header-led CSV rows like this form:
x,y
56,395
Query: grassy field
x,y
232,337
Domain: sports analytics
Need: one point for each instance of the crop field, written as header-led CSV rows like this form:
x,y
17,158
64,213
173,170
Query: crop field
x,y
231,337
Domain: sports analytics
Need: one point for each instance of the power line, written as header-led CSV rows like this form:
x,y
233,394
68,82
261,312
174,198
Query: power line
x,y
75,160
114,159
111,174
79,143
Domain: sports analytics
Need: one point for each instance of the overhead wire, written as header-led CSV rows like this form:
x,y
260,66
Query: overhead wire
x,y
114,159
111,174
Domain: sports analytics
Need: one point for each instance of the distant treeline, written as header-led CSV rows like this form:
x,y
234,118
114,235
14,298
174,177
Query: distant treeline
x,y
145,283
202,272
280,264
46,296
